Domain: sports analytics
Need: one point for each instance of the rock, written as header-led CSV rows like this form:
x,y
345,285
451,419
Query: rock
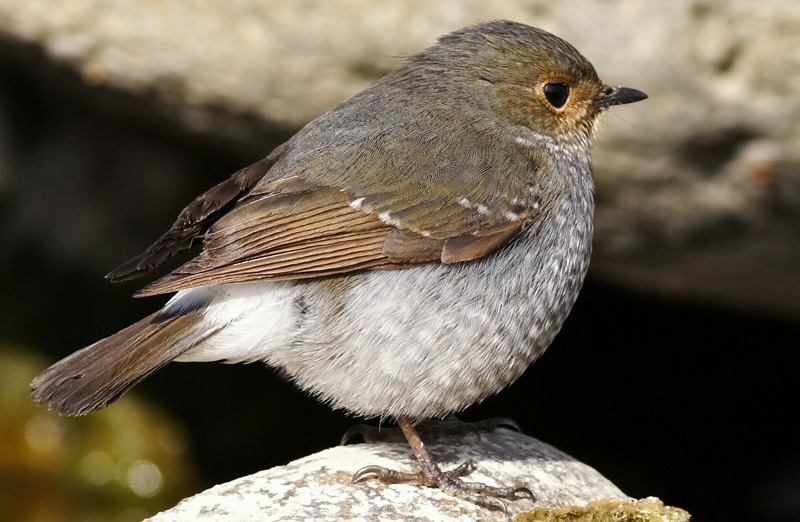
x,y
698,188
319,487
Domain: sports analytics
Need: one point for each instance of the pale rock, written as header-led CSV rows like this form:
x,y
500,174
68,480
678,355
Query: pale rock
x,y
319,487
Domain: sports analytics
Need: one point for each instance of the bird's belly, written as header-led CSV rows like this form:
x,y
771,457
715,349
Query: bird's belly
x,y
429,341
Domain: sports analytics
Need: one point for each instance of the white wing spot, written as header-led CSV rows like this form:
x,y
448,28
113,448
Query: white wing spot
x,y
385,217
465,203
356,203
483,209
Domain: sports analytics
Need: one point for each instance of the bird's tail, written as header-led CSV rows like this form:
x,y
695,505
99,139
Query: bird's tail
x,y
99,374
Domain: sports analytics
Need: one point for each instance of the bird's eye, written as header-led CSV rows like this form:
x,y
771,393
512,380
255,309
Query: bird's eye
x,y
556,94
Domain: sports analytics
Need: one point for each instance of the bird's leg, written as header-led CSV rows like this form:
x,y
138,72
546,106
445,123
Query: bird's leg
x,y
429,428
431,475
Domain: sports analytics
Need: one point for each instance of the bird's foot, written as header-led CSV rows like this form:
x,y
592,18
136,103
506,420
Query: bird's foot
x,y
430,428
449,482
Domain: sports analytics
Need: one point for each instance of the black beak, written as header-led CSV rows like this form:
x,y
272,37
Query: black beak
x,y
619,96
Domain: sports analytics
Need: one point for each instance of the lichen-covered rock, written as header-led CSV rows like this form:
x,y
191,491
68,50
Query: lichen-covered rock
x,y
319,487
648,509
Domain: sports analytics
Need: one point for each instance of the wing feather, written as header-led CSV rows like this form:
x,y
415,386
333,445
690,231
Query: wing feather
x,y
299,214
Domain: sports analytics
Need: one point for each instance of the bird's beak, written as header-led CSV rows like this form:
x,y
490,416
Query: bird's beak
x,y
619,96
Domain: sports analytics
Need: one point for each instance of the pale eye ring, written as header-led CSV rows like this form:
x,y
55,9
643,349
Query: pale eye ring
x,y
556,93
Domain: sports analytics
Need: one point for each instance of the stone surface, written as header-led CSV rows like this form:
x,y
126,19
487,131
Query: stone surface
x,y
698,187
318,487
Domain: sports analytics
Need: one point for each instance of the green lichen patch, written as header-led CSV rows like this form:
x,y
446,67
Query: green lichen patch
x,y
649,509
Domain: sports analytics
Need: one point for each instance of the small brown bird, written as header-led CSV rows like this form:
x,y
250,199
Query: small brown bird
x,y
407,254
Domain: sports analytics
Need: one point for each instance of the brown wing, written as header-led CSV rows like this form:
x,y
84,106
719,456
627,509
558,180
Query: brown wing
x,y
336,199
293,229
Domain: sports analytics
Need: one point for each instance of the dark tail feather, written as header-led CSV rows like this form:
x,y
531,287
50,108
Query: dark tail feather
x,y
98,375
195,218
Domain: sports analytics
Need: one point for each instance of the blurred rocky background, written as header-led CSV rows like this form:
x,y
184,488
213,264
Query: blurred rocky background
x,y
677,373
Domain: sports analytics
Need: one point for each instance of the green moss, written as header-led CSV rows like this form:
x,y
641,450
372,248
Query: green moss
x,y
649,509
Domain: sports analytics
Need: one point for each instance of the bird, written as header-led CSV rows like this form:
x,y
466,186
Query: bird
x,y
404,256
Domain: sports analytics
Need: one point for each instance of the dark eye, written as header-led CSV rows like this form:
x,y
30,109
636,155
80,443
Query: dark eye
x,y
556,94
